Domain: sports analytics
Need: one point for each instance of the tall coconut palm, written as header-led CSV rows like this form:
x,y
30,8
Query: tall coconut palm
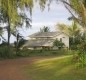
x,y
72,30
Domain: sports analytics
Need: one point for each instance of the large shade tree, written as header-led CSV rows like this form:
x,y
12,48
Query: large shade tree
x,y
9,11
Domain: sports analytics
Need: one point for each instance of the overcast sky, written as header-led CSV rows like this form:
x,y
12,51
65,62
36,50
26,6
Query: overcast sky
x,y
56,14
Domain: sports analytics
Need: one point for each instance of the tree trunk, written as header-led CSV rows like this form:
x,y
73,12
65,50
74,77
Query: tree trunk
x,y
8,30
73,39
8,42
17,42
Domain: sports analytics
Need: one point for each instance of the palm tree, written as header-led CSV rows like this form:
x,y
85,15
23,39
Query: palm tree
x,y
45,29
72,30
62,27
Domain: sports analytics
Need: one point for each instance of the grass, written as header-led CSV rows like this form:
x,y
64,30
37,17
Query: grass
x,y
55,69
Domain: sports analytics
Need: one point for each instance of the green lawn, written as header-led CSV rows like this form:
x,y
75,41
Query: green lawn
x,y
55,69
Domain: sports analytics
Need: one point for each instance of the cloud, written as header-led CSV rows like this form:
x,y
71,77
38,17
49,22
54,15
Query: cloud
x,y
57,13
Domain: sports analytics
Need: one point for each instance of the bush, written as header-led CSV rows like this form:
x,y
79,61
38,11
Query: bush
x,y
58,44
5,53
26,53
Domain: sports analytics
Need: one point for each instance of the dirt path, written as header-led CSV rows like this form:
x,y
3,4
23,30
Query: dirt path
x,y
11,69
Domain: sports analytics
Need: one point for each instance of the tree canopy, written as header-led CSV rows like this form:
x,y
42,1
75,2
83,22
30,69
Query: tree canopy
x,y
45,29
77,8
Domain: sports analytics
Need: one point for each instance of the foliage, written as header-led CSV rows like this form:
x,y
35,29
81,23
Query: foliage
x,y
62,27
80,46
58,44
10,15
26,53
20,43
72,30
45,29
77,9
4,52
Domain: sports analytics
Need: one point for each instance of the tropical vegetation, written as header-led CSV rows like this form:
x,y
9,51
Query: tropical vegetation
x,y
45,29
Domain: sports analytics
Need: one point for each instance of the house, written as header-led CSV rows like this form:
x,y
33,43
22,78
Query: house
x,y
45,40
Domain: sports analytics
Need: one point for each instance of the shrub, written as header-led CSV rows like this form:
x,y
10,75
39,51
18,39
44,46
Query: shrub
x,y
5,53
26,53
58,43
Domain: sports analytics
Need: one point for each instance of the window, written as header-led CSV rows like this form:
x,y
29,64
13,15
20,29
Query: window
x,y
63,37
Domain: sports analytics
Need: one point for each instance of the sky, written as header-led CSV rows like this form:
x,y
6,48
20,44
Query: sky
x,y
57,14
